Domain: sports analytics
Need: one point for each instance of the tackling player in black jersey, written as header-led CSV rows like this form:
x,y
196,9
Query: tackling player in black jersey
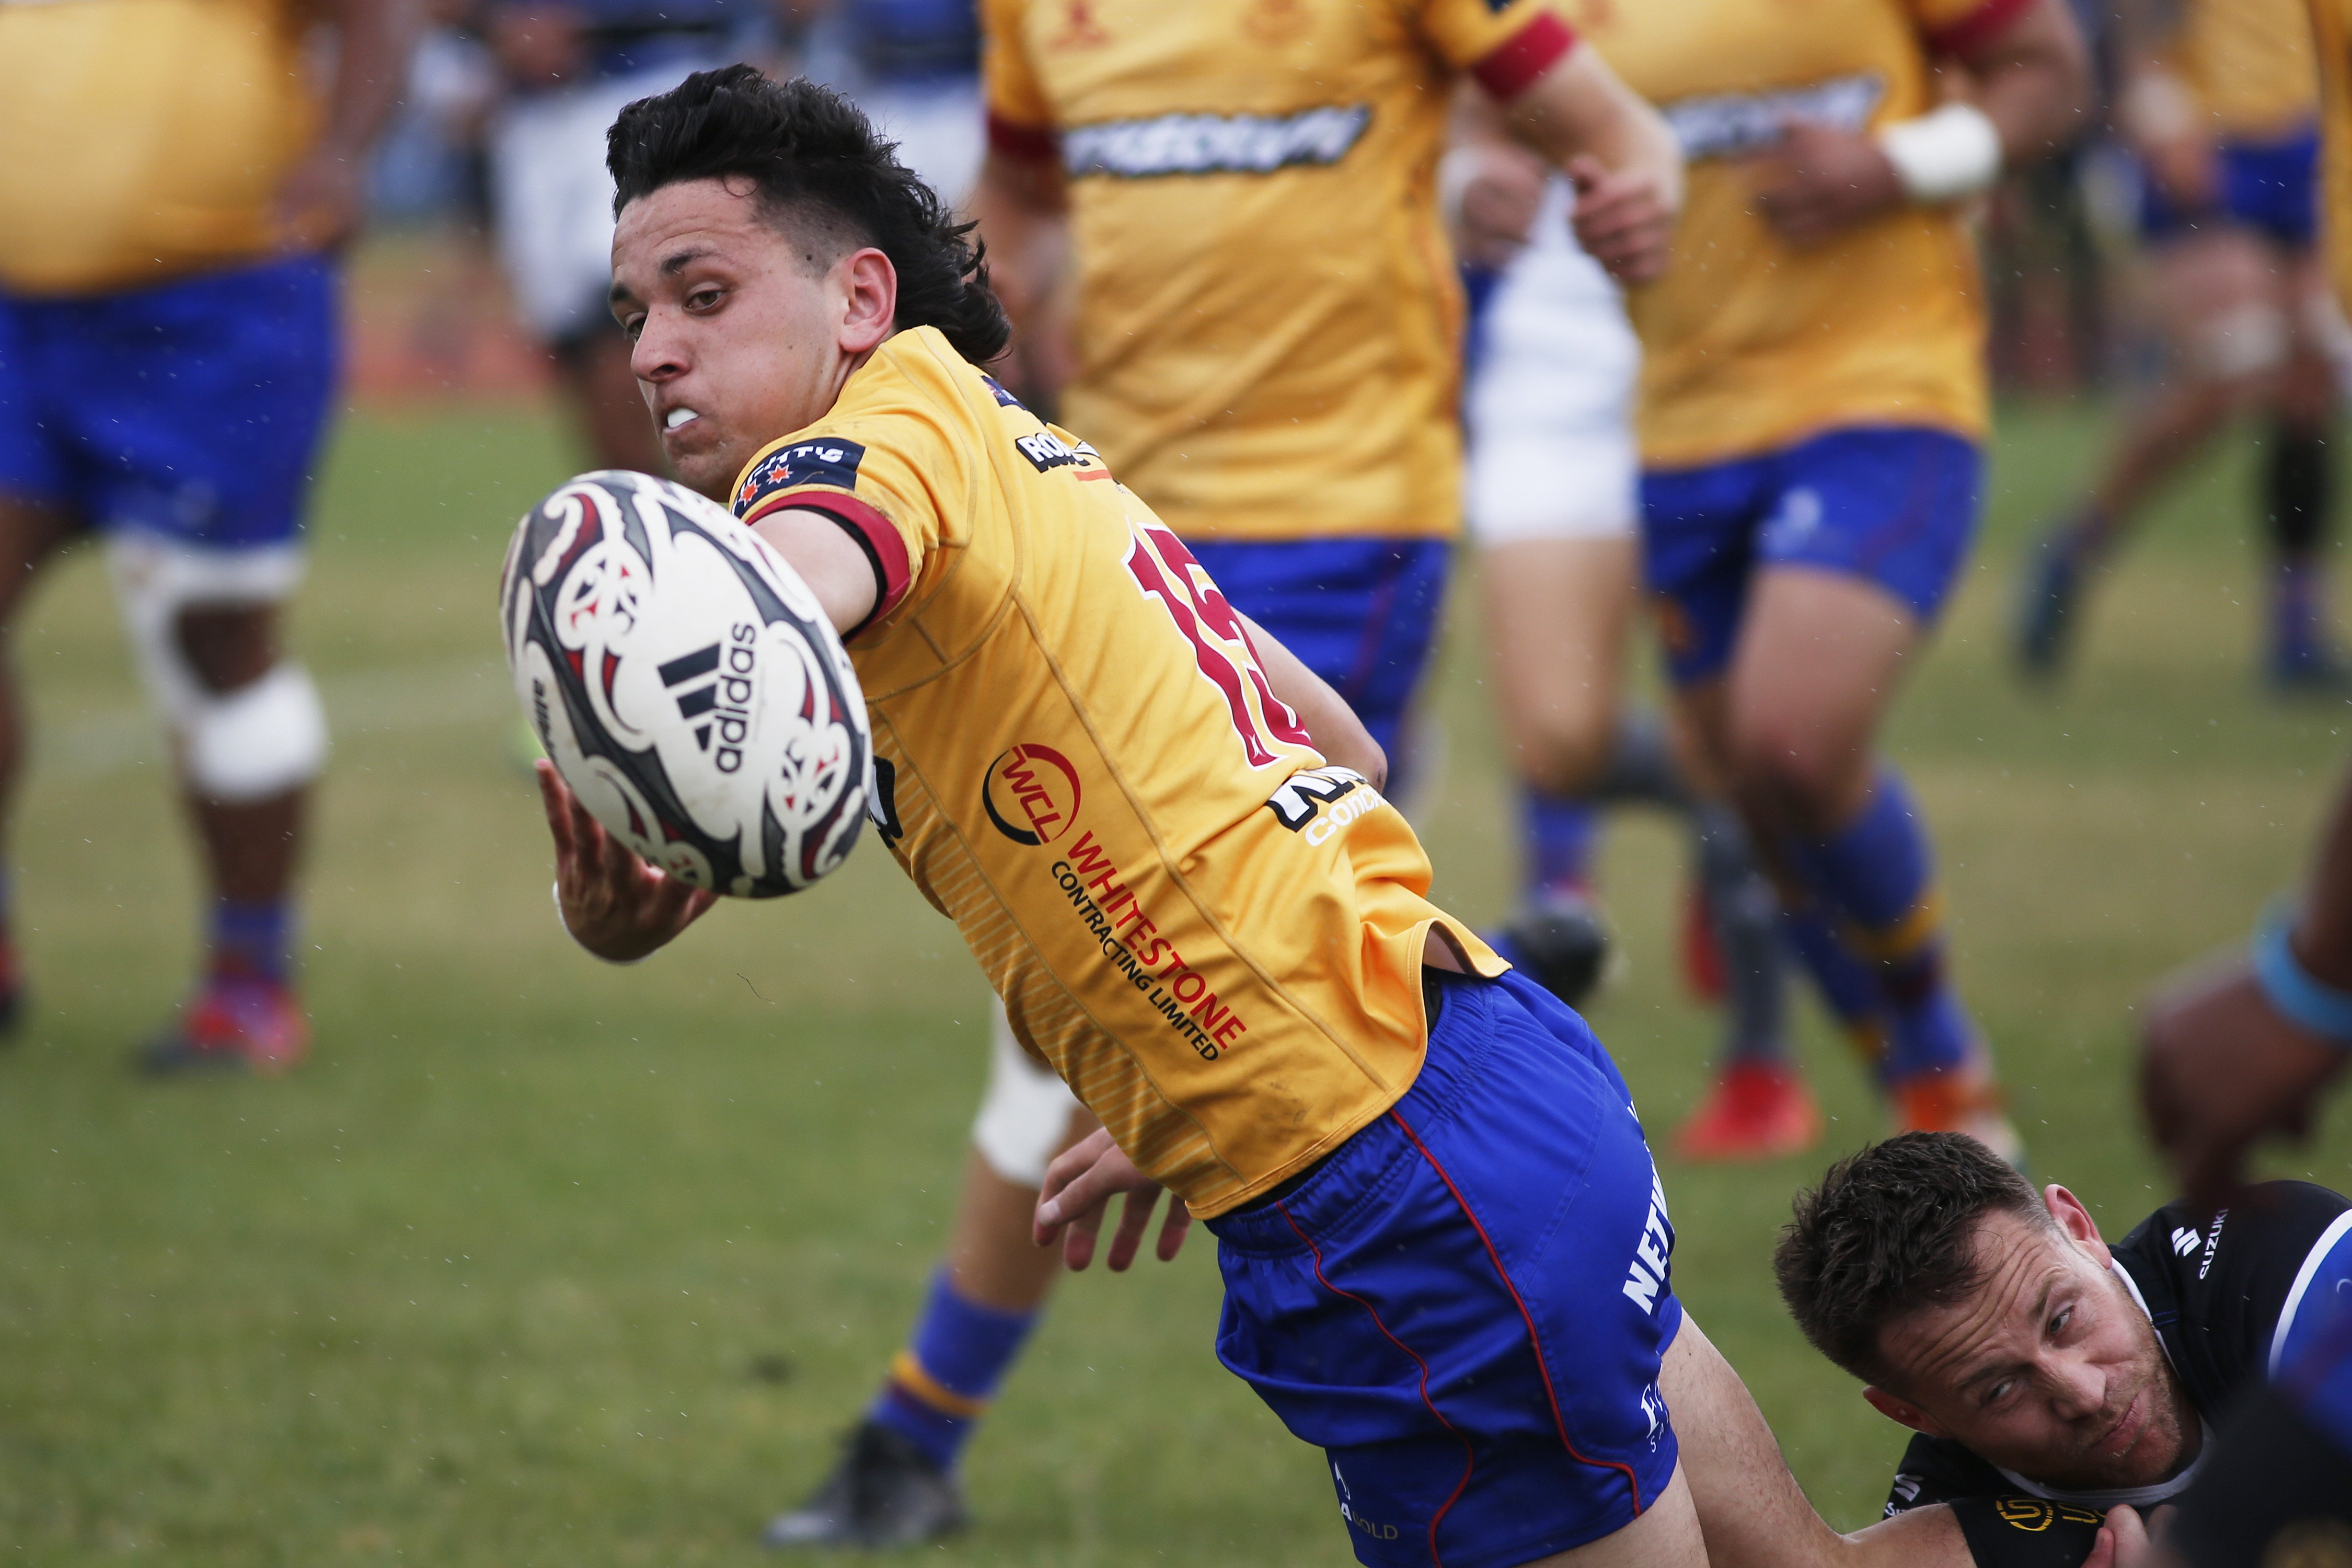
x,y
2050,1376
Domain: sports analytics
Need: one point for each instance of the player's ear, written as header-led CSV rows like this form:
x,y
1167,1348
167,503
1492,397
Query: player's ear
x,y
869,287
1903,1411
2074,1220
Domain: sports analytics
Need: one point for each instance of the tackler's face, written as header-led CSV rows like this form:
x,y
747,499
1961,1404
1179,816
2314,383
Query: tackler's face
x,y
2049,1368
743,331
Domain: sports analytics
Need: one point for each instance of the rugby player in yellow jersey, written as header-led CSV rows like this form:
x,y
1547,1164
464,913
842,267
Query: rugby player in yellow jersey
x,y
1444,1246
2218,100
172,185
1812,412
1239,198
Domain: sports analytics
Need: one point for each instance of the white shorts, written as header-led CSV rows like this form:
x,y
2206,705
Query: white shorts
x,y
554,200
1550,408
1025,1114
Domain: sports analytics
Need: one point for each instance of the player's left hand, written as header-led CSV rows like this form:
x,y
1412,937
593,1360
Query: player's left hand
x,y
1079,1185
614,904
1820,181
321,201
2219,1068
1624,219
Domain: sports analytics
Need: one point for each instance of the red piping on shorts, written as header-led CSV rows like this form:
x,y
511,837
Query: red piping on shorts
x,y
1469,1455
1542,1367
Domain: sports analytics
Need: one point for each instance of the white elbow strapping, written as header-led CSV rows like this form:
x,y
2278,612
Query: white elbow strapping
x,y
1024,1117
1943,154
261,740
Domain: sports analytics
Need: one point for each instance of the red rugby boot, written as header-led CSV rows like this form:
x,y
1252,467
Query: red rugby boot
x,y
1757,1110
255,1025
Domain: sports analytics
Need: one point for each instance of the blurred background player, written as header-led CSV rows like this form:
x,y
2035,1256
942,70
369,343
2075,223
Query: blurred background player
x,y
1811,414
568,66
2219,101
1236,212
174,183
1551,499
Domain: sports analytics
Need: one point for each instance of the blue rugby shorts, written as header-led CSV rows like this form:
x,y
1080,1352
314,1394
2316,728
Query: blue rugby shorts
x,y
2271,186
1896,506
1360,612
192,409
1466,1305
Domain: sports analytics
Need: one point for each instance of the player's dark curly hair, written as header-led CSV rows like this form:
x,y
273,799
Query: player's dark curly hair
x,y
817,163
1889,1231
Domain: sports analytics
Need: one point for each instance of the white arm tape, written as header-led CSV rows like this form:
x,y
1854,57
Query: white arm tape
x,y
1945,154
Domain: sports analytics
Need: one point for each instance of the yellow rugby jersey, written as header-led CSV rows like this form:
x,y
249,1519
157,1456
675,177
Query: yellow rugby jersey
x,y
2331,29
1214,938
1749,343
1268,322
142,139
2250,63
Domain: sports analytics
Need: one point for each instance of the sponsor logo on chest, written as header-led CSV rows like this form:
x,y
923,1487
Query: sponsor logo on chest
x,y
1723,125
1166,144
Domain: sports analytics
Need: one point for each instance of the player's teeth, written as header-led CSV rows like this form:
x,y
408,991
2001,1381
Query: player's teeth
x,y
679,417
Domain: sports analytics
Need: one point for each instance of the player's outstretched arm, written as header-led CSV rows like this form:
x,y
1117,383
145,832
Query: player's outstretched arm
x,y
614,904
1626,164
1338,734
2223,1063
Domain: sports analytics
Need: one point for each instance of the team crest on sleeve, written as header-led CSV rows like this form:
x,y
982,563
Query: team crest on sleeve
x,y
819,462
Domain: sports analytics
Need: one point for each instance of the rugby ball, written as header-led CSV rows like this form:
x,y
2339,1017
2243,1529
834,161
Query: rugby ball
x,y
686,684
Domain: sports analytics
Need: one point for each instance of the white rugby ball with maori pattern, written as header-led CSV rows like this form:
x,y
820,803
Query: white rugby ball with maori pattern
x,y
686,684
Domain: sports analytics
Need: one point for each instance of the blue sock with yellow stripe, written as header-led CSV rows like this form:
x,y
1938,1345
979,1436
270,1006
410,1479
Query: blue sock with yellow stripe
x,y
1877,875
939,1386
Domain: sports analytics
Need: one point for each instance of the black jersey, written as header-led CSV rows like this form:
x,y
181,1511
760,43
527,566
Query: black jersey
x,y
2216,1294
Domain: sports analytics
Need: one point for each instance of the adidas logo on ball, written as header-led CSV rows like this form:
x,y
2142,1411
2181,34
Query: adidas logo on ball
x,y
727,696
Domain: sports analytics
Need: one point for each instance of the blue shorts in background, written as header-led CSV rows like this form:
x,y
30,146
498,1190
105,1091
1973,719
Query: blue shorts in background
x,y
1892,505
2270,187
1360,612
1466,1307
193,409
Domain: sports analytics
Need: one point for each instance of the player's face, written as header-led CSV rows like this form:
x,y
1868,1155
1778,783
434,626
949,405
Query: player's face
x,y
741,334
2049,1369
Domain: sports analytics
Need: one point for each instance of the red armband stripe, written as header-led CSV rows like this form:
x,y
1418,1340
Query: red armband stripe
x,y
886,550
1031,144
1515,65
1979,26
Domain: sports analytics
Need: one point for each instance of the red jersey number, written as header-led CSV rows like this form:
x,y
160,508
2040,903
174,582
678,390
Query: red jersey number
x,y
1166,570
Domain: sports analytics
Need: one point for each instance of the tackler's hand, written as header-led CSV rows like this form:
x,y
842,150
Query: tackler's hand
x,y
1080,1185
2220,1069
614,904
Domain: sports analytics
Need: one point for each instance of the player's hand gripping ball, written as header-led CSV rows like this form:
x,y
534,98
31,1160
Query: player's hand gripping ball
x,y
685,684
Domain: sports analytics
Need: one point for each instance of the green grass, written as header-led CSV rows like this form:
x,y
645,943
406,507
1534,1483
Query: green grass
x,y
542,1262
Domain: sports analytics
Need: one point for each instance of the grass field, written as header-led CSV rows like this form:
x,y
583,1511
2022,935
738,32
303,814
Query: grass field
x,y
543,1262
